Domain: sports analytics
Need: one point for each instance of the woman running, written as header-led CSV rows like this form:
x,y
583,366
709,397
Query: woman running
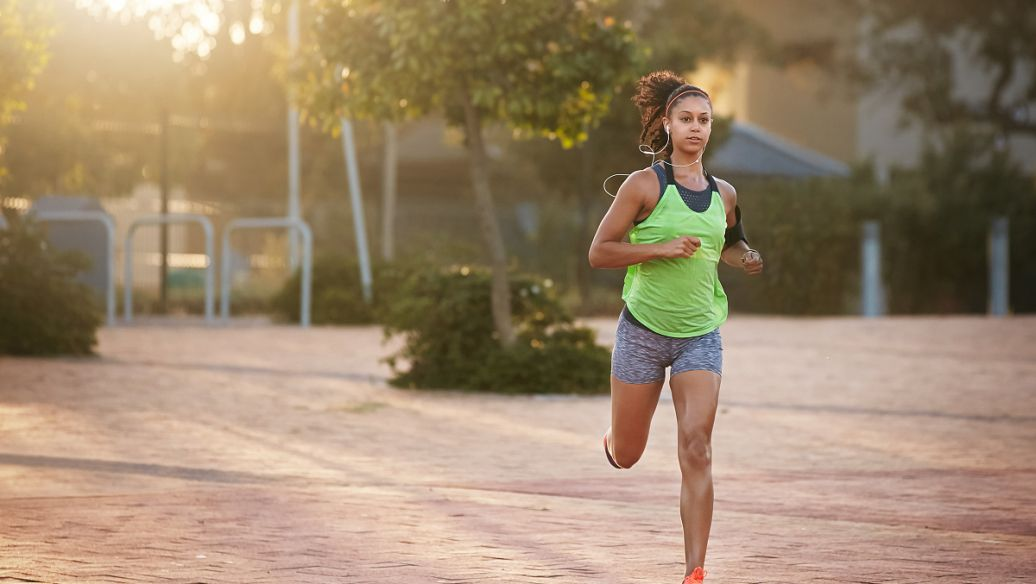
x,y
681,222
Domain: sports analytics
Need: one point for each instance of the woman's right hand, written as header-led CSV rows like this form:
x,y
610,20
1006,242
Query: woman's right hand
x,y
681,247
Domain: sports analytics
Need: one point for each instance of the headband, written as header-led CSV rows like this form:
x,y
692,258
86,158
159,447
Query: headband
x,y
690,89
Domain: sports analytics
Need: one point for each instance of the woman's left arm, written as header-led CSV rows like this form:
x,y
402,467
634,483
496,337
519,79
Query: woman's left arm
x,y
735,254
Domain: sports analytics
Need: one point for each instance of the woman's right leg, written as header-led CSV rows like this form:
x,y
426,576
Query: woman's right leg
x,y
633,406
639,360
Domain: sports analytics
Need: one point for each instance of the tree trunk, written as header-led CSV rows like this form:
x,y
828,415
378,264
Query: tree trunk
x,y
585,199
501,291
388,190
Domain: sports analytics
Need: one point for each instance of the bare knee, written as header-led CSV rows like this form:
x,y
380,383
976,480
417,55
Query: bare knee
x,y
627,456
695,450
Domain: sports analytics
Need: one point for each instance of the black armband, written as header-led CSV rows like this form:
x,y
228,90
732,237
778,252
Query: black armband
x,y
736,233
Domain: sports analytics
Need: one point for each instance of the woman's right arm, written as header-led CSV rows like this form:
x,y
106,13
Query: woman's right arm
x,y
608,249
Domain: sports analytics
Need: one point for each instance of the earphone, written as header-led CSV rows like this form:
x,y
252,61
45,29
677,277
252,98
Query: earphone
x,y
646,151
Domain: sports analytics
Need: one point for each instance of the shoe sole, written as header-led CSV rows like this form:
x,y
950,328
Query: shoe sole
x,y
609,454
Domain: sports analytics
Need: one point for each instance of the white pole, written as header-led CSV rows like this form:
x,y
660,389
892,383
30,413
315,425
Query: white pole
x,y
999,272
872,300
307,273
388,210
349,148
293,140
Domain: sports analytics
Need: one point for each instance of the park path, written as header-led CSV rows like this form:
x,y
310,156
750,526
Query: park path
x,y
845,450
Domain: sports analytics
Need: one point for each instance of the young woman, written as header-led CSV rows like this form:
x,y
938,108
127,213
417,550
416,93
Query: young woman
x,y
680,222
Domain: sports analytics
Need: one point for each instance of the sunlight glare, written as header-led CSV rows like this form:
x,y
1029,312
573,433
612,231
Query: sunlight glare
x,y
256,24
237,33
191,26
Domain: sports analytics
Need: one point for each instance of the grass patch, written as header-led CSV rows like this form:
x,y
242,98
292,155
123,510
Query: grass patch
x,y
364,407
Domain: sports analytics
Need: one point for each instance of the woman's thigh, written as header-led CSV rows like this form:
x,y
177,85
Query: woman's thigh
x,y
639,360
633,406
695,398
695,381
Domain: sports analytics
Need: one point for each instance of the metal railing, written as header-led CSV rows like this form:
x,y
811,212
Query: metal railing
x,y
296,225
172,218
109,226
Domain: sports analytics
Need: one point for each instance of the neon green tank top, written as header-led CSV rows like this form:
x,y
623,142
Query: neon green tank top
x,y
679,297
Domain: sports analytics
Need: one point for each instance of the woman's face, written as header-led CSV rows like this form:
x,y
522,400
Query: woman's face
x,y
690,124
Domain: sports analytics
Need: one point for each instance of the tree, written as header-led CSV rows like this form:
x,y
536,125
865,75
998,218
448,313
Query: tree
x,y
921,49
82,130
682,33
91,123
916,45
537,66
720,33
24,33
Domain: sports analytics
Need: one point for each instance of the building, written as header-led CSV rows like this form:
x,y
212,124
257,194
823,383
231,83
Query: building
x,y
806,107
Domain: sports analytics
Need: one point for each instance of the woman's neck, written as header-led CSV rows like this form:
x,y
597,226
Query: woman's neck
x,y
685,166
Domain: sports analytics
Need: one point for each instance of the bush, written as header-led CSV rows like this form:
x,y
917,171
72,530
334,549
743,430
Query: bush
x,y
44,309
809,237
935,223
935,229
337,293
445,316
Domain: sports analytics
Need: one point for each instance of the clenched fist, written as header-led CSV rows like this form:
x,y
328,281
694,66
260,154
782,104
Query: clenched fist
x,y
681,247
752,262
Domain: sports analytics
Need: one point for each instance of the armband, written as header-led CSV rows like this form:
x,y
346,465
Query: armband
x,y
736,233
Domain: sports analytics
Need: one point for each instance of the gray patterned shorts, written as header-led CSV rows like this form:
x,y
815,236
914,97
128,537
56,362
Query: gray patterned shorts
x,y
641,355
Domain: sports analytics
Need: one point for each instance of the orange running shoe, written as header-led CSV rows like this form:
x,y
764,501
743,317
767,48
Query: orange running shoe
x,y
696,577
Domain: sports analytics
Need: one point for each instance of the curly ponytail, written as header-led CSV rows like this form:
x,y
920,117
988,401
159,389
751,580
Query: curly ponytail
x,y
656,93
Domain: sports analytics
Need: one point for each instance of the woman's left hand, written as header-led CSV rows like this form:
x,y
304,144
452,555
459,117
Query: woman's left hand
x,y
752,262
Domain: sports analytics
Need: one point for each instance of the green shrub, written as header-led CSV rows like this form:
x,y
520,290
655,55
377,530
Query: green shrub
x,y
44,309
337,293
809,237
445,317
935,230
935,223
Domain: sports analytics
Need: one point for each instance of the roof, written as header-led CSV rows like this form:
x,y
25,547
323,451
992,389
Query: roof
x,y
750,150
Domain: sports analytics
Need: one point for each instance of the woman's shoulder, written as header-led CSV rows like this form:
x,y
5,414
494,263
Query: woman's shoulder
x,y
727,191
652,171
723,185
644,181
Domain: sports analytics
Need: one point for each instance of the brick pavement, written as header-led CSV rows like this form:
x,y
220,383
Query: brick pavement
x,y
893,450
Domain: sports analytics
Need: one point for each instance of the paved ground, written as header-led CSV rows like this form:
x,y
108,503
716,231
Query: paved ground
x,y
897,450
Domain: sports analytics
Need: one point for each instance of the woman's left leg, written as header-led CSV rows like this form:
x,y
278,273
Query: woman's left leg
x,y
695,396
